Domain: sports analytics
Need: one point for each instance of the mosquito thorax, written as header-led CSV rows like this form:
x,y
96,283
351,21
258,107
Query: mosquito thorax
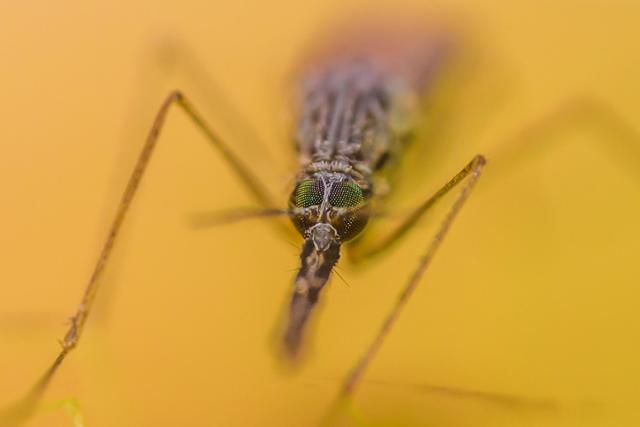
x,y
329,206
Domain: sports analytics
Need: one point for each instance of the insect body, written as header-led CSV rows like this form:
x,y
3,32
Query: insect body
x,y
357,102
358,105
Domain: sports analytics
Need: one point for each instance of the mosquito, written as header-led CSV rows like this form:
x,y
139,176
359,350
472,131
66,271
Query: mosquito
x,y
359,99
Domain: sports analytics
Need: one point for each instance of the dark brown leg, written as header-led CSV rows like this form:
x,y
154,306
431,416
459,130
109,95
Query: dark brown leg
x,y
78,320
585,113
358,252
472,171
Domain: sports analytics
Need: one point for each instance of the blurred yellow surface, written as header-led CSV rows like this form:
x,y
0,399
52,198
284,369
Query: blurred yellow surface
x,y
534,293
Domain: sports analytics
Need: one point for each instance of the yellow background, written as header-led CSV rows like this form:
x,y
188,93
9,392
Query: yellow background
x,y
534,293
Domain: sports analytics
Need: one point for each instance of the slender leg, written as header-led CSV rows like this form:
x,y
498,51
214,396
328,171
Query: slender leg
x,y
505,400
617,136
212,219
621,138
359,252
179,58
172,59
175,58
472,171
251,182
608,128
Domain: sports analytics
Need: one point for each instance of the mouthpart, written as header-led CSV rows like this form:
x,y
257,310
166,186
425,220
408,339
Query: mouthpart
x,y
322,234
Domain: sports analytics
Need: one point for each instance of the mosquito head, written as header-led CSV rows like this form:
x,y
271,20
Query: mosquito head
x,y
329,207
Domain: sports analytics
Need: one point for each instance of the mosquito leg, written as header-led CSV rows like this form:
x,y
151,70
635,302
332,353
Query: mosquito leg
x,y
358,252
177,57
174,58
505,400
584,113
581,113
212,219
79,318
609,126
254,185
472,172
251,182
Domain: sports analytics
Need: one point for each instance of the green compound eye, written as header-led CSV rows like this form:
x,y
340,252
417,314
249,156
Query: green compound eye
x,y
308,193
346,194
